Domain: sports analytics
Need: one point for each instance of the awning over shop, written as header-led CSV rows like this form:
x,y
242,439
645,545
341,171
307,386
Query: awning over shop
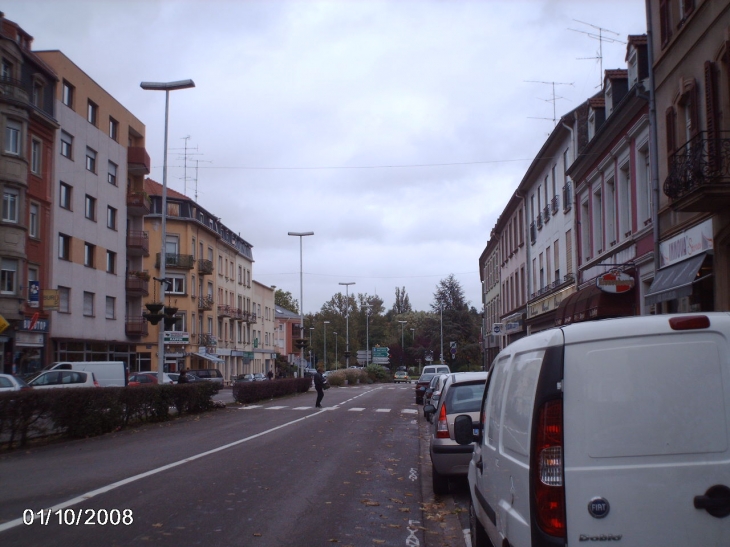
x,y
593,303
675,281
209,357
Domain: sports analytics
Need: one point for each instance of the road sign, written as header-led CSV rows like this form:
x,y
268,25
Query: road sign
x,y
381,360
3,324
380,352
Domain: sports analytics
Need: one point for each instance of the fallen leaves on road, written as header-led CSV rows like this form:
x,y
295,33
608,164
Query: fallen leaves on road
x,y
157,525
370,503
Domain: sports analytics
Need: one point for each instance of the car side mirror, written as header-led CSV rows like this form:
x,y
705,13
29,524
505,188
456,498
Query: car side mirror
x,y
464,430
429,409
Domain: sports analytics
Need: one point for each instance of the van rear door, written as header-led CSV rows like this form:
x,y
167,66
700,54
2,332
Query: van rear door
x,y
646,416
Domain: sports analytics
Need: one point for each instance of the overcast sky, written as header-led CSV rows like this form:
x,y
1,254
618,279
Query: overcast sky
x,y
395,131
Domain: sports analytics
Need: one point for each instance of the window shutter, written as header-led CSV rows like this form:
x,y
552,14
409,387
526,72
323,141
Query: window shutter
x,y
671,124
712,114
665,22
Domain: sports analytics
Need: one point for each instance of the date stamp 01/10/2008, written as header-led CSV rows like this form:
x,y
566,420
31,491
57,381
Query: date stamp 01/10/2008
x,y
79,517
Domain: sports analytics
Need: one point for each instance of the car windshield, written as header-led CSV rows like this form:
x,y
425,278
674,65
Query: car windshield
x,y
464,398
427,377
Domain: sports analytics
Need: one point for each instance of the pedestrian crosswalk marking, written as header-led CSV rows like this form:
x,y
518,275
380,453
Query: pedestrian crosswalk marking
x,y
409,411
250,406
275,407
355,409
382,410
302,407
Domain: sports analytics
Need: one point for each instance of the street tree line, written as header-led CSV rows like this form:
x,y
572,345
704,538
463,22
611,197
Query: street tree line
x,y
409,343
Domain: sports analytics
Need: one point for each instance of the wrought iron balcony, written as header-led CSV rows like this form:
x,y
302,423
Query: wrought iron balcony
x,y
538,221
252,318
567,196
205,303
533,232
207,340
138,204
555,205
225,311
138,243
205,266
699,174
136,326
237,314
181,262
546,213
136,285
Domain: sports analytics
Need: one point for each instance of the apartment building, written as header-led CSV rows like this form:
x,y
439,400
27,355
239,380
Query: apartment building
x,y
99,163
264,325
691,74
27,115
489,266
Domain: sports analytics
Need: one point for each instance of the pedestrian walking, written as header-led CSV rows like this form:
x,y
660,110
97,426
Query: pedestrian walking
x,y
270,375
183,378
318,385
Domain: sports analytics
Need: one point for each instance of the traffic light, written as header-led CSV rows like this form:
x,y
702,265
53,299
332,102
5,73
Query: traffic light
x,y
347,355
300,343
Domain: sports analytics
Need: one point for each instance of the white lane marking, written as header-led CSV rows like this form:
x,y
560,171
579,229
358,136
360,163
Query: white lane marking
x,y
93,493
275,407
250,407
302,408
467,537
355,409
382,410
408,411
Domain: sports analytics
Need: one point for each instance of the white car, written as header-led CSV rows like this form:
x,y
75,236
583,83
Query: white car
x,y
605,432
63,379
8,382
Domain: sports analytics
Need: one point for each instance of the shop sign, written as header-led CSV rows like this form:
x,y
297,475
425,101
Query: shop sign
x,y
51,299
514,324
34,324
29,339
176,337
697,239
34,293
615,281
548,304
3,323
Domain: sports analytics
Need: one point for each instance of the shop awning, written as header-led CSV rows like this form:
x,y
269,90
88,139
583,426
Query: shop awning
x,y
209,357
593,303
674,281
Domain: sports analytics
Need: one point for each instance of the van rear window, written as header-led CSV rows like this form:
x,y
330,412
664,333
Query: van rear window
x,y
464,398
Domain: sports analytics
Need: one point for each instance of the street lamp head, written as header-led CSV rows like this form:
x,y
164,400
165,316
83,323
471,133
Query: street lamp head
x,y
167,86
326,322
403,322
348,283
300,234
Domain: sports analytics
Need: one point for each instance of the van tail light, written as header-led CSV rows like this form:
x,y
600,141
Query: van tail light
x,y
549,486
442,426
690,322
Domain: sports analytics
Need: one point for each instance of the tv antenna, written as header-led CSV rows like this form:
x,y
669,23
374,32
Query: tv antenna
x,y
553,100
196,177
185,156
601,38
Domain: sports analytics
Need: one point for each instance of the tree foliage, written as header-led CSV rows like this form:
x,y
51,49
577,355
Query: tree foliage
x,y
402,303
286,300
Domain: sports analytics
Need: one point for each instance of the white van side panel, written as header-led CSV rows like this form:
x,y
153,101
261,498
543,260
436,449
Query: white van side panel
x,y
106,373
646,429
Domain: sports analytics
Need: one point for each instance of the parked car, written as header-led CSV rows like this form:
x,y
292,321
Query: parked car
x,y
259,377
9,382
436,369
50,379
612,431
461,396
244,378
143,379
401,376
208,374
433,392
107,373
175,377
167,379
422,384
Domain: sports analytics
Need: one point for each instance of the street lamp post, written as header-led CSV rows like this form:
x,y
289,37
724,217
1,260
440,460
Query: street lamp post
x,y
442,334
300,235
367,334
325,323
311,360
402,348
166,87
337,361
347,321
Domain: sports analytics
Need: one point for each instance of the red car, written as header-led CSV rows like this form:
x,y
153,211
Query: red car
x,y
143,379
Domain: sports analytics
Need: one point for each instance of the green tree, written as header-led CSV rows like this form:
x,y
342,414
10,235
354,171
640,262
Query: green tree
x,y
402,303
286,300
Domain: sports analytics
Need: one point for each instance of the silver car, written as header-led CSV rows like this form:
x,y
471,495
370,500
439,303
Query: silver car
x,y
462,394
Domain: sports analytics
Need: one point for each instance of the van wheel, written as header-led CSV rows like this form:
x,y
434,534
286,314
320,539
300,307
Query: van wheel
x,y
479,536
439,482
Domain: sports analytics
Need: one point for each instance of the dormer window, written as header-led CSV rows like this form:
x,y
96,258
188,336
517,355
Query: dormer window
x,y
633,68
591,124
608,94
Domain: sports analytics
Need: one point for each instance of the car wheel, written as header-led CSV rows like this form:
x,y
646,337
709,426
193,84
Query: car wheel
x,y
439,482
479,536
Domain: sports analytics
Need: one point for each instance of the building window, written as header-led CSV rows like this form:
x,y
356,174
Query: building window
x,y
111,262
91,113
64,300
90,207
89,250
68,94
89,304
113,129
8,276
10,205
64,247
67,142
110,306
178,284
12,137
65,197
37,95
34,220
90,160
111,218
35,156
112,176
6,71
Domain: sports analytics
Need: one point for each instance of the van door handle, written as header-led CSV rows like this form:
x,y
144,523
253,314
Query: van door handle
x,y
716,501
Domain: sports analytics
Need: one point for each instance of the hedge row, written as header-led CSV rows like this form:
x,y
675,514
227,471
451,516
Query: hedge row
x,y
252,392
78,413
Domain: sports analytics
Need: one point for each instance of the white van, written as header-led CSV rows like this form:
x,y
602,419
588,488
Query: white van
x,y
107,373
436,369
614,431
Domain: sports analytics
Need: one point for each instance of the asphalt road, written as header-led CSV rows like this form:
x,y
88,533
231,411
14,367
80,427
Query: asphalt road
x,y
280,473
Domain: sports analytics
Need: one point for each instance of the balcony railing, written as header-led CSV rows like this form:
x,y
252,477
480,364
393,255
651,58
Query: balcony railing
x,y
138,161
699,173
567,196
136,326
252,318
205,303
207,340
138,204
205,266
182,262
136,286
533,232
538,221
138,243
12,89
225,311
555,285
555,205
237,314
546,214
